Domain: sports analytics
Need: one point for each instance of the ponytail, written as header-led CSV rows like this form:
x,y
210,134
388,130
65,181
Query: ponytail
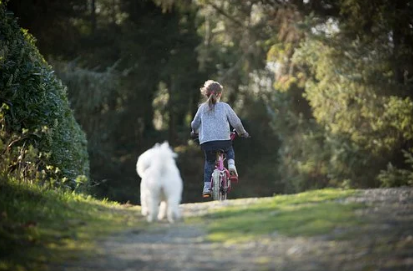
x,y
211,90
212,100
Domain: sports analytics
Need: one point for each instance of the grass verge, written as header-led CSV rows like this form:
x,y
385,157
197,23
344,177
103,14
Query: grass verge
x,y
39,227
305,214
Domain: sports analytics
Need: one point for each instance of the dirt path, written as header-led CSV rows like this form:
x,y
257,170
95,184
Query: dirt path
x,y
386,243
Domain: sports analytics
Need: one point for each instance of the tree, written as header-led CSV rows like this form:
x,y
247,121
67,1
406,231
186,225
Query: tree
x,y
349,76
53,23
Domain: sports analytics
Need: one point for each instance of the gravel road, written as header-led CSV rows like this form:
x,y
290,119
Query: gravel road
x,y
384,243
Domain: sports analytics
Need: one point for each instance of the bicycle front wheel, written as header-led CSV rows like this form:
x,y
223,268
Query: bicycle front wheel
x,y
216,185
223,192
223,195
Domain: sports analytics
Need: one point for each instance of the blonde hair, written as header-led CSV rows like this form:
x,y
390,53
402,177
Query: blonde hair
x,y
212,90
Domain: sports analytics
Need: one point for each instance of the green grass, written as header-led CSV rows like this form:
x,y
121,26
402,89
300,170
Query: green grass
x,y
39,226
305,214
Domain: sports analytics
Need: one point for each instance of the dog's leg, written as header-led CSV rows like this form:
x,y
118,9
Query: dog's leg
x,y
144,203
162,210
173,212
153,206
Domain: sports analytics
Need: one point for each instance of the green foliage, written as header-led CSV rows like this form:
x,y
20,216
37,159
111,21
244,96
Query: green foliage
x,y
394,176
340,104
256,157
38,129
346,102
54,24
190,161
39,226
97,102
301,162
358,93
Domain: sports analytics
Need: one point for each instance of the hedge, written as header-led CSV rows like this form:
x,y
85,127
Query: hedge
x,y
38,128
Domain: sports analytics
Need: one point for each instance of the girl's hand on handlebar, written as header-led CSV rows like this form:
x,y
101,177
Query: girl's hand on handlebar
x,y
245,135
194,135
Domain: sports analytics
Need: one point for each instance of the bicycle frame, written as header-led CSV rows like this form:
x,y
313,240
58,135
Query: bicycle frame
x,y
221,177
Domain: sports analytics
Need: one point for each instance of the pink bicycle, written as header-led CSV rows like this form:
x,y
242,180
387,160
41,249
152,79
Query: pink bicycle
x,y
221,179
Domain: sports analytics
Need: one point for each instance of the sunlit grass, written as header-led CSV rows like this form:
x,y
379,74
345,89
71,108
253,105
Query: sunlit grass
x,y
39,226
306,214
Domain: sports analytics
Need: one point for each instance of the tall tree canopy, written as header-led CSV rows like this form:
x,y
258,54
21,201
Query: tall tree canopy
x,y
324,87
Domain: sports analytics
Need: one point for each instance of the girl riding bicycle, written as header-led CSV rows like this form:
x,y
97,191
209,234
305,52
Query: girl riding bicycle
x,y
212,121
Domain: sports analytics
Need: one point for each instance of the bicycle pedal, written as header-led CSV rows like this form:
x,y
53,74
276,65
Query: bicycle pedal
x,y
233,178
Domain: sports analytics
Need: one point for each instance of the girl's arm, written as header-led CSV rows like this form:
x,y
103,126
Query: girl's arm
x,y
196,123
235,121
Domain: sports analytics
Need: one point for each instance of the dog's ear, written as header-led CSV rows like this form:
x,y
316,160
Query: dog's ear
x,y
165,144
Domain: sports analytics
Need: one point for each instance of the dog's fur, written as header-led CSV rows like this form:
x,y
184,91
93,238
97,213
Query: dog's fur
x,y
161,184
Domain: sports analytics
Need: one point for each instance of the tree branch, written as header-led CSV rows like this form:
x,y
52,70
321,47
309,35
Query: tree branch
x,y
222,12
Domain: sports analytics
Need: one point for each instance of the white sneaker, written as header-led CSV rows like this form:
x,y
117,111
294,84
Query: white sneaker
x,y
206,192
231,167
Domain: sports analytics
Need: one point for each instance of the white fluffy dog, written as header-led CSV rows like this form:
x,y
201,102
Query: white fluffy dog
x,y
161,184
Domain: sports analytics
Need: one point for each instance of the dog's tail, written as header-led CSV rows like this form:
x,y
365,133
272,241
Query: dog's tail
x,y
144,162
163,157
156,160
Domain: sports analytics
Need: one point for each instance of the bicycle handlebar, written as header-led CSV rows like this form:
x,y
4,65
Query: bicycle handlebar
x,y
232,136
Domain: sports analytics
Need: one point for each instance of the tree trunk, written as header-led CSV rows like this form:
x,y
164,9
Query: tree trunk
x,y
172,137
93,15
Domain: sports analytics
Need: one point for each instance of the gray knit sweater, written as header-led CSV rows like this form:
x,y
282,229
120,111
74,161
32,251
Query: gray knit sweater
x,y
214,124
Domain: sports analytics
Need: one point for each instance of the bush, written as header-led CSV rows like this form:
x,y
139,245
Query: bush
x,y
38,130
393,176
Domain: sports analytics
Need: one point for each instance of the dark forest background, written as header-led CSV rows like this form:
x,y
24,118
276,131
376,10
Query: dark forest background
x,y
325,88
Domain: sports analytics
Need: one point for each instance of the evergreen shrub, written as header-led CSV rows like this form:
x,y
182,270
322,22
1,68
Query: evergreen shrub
x,y
38,131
